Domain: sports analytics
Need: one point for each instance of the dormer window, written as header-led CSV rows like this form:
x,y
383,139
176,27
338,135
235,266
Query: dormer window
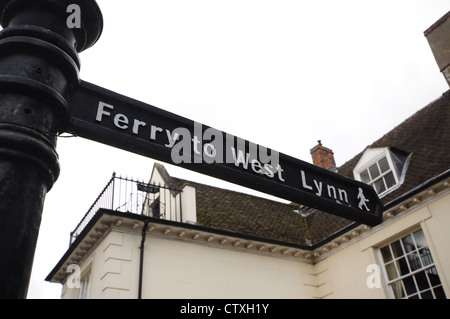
x,y
383,168
380,175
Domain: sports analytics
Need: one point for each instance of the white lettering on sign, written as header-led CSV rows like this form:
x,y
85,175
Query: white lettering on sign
x,y
336,193
258,167
101,111
137,124
121,121
207,146
171,138
331,191
153,131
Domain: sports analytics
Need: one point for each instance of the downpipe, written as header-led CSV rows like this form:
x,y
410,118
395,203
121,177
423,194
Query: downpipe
x,y
141,259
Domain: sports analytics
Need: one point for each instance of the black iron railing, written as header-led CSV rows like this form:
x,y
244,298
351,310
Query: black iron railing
x,y
128,195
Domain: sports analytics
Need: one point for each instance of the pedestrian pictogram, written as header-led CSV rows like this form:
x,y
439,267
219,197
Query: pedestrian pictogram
x,y
362,200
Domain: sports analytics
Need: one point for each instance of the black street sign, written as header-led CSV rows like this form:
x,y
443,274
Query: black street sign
x,y
113,119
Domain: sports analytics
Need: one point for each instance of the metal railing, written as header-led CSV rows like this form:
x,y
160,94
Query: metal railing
x,y
124,194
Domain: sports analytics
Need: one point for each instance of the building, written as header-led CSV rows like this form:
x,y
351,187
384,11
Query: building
x,y
172,238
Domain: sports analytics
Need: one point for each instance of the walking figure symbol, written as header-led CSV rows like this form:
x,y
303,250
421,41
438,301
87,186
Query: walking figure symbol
x,y
362,200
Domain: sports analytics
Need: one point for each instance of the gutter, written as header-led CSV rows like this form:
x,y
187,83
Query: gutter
x,y
141,260
419,188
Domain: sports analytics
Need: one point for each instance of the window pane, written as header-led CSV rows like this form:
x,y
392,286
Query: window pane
x,y
397,289
84,288
414,261
410,286
422,281
397,249
391,271
386,253
426,295
384,165
433,276
374,171
365,176
420,239
390,180
403,266
379,186
425,255
439,293
408,244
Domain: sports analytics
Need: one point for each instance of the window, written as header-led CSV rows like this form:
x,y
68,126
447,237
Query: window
x,y
84,287
409,269
383,168
380,175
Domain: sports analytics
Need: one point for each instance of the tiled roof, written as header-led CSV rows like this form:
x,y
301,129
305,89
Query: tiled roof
x,y
241,213
426,135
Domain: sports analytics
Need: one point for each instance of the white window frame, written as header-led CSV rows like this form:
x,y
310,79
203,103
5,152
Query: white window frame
x,y
411,274
85,286
371,157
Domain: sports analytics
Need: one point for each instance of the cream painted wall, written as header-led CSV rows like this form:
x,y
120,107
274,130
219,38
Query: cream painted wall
x,y
344,275
437,232
176,269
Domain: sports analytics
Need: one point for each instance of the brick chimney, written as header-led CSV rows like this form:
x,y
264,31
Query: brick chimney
x,y
323,157
438,36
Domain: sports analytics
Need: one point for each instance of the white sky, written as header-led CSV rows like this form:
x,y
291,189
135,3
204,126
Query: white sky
x,y
282,74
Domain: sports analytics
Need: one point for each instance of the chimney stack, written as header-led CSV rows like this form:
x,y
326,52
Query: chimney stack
x,y
323,157
438,36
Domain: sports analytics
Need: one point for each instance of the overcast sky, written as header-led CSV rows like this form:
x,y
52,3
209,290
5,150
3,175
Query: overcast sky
x,y
282,74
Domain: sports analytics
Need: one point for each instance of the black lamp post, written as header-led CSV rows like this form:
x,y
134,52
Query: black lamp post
x,y
39,67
